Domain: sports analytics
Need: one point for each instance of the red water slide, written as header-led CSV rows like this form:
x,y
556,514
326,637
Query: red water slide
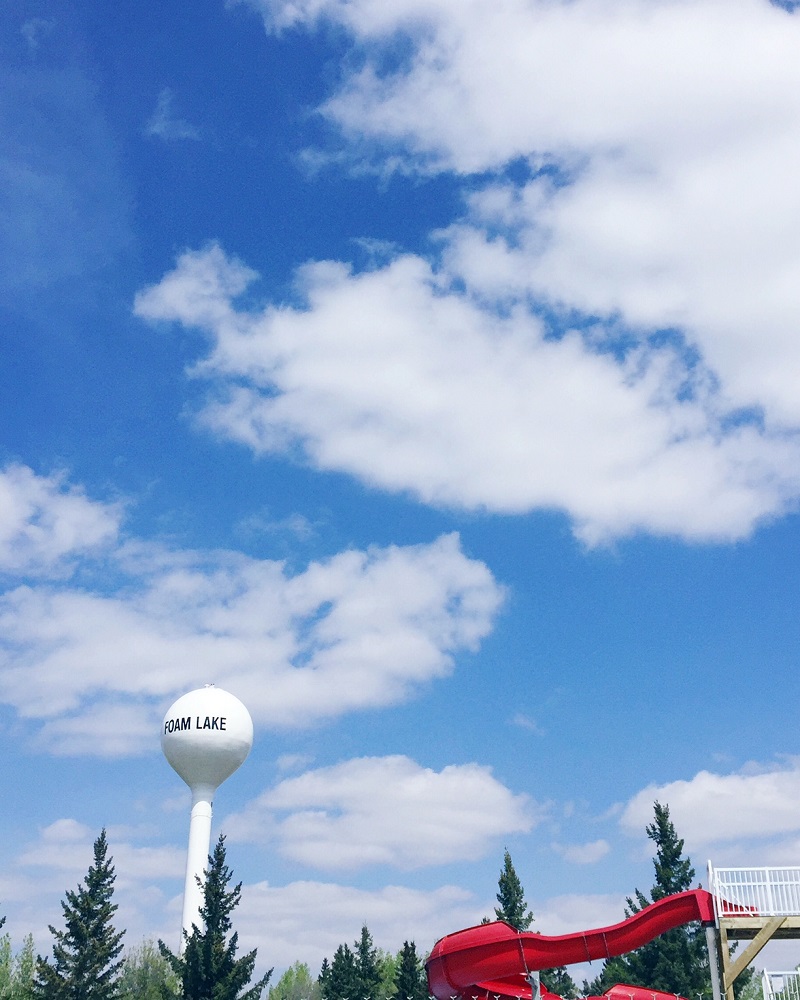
x,y
496,959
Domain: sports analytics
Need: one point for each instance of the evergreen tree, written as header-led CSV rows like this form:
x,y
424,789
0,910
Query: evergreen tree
x,y
411,983
360,973
514,910
677,961
342,981
559,981
369,974
511,897
209,968
85,962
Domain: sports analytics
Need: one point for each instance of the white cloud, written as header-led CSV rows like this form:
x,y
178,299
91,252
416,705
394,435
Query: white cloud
x,y
659,140
577,912
526,722
35,29
293,762
98,666
677,123
165,124
596,75
583,854
747,813
260,522
309,920
65,847
402,381
385,811
109,729
45,522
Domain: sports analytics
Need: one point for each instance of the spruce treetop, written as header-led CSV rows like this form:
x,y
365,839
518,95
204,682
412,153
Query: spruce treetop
x,y
363,972
85,964
514,910
511,896
209,968
369,974
674,873
410,983
342,981
677,961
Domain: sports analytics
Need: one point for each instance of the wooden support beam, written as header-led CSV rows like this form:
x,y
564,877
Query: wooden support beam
x,y
725,954
732,970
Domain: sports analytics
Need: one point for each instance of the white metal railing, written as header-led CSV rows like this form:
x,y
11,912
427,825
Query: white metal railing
x,y
780,985
766,892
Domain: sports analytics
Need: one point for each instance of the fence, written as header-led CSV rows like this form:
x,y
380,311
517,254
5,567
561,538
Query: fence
x,y
780,985
763,892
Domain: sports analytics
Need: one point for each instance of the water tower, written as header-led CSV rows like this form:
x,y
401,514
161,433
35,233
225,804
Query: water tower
x,y
205,736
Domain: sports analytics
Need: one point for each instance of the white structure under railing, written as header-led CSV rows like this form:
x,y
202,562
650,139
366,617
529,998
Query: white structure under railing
x,y
763,892
780,985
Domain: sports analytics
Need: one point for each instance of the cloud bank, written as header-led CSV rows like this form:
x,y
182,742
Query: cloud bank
x,y
97,664
385,811
402,380
45,522
610,327
749,817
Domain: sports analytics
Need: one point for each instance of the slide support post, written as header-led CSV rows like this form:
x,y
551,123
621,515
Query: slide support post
x,y
713,961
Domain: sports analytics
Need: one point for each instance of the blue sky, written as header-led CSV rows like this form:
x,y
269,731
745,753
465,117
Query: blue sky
x,y
425,375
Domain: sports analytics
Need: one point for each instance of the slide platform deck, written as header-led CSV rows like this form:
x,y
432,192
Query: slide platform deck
x,y
494,960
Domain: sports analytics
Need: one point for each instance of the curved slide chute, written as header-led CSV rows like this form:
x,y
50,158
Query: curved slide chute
x,y
496,959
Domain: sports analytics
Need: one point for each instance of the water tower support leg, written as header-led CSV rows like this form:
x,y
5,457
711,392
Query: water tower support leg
x,y
196,862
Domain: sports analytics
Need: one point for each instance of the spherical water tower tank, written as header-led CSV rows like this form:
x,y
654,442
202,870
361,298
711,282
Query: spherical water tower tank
x,y
205,736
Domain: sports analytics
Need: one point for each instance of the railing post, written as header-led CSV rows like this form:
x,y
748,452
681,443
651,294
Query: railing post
x,y
713,890
770,897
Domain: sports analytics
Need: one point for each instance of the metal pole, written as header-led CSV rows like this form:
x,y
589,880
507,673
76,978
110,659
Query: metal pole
x,y
713,961
196,859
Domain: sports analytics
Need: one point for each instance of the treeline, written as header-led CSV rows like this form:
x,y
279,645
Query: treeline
x,y
87,964
357,972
